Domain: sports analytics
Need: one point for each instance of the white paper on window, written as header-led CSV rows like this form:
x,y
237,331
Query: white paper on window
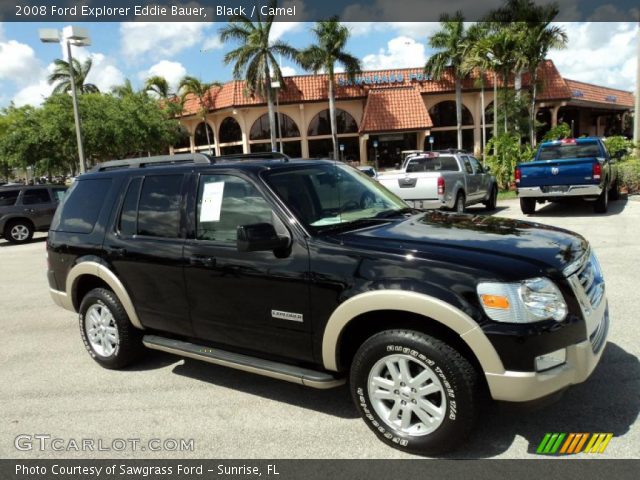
x,y
211,202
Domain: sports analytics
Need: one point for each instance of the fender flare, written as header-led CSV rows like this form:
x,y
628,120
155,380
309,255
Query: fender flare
x,y
413,302
103,273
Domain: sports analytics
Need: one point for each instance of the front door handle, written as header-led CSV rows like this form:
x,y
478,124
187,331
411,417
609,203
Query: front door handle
x,y
202,260
29,210
116,251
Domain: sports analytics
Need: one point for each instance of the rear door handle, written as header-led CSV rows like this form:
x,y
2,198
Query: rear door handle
x,y
29,210
202,260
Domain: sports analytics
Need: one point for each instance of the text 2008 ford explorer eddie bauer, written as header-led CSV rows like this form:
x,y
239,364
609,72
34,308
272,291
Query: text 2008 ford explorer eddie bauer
x,y
573,167
311,272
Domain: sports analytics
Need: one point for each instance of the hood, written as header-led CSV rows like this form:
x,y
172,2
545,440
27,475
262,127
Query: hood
x,y
524,241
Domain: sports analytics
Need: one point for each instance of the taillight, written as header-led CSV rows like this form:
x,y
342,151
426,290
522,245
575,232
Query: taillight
x,y
440,186
518,174
597,170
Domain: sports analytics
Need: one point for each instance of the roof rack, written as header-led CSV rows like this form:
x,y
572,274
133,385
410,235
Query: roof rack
x,y
153,161
452,150
185,158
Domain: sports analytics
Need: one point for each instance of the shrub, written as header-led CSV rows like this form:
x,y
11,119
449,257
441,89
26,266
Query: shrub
x,y
629,175
619,144
560,131
506,152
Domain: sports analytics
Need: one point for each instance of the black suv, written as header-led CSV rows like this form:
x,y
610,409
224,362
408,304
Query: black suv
x,y
27,209
311,272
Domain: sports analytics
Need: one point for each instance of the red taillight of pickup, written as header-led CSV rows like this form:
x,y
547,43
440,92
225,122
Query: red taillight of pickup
x,y
440,186
518,175
597,170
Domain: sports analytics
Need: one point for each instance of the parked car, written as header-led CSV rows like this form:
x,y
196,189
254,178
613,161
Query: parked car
x,y
569,168
421,312
434,180
27,209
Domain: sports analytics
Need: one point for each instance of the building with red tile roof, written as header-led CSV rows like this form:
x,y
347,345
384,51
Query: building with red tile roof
x,y
395,109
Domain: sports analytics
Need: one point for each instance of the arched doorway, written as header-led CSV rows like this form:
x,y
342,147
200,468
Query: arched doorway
x,y
201,139
230,136
444,131
260,135
319,135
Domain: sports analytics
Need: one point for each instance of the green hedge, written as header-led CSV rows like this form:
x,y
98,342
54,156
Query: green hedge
x,y
629,174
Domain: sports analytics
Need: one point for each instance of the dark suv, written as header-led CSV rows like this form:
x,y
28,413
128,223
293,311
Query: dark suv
x,y
27,209
311,272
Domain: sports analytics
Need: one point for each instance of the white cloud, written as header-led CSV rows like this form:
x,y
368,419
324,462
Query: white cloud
x,y
104,72
171,71
288,71
33,94
599,52
279,29
212,43
401,52
159,39
18,62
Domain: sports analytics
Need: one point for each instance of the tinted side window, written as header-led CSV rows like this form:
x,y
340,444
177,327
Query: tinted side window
x,y
127,222
58,193
8,197
81,205
224,203
35,196
467,164
449,164
159,206
476,165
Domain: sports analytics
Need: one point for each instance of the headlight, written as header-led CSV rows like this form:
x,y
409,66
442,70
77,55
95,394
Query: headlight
x,y
528,301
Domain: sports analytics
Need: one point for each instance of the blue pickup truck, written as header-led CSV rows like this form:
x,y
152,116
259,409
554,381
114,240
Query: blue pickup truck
x,y
572,167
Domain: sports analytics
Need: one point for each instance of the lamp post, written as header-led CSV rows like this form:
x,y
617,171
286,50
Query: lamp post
x,y
78,37
276,86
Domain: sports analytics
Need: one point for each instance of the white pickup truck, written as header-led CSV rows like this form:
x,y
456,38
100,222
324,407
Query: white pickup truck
x,y
452,180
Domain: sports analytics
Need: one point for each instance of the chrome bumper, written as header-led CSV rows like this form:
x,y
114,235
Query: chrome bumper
x,y
582,359
571,191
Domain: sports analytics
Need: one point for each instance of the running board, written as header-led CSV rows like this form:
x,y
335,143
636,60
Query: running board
x,y
268,368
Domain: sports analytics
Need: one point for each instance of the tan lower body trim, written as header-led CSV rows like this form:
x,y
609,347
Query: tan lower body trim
x,y
110,278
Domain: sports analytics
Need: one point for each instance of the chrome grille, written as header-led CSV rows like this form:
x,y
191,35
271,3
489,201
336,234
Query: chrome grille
x,y
590,278
598,337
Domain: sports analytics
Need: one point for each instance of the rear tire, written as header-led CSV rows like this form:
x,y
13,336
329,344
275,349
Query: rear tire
x,y
492,202
106,331
18,231
414,391
614,193
459,206
601,205
528,205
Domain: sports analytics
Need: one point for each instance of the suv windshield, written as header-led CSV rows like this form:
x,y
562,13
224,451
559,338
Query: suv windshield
x,y
327,195
569,150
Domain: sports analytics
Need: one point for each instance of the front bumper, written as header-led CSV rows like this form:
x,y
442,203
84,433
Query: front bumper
x,y
560,191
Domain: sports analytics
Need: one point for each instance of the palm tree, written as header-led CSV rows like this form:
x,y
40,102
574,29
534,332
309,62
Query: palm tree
x,y
202,91
157,85
255,59
124,90
329,51
536,36
450,41
478,55
62,78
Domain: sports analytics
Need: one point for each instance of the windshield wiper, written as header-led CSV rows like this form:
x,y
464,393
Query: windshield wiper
x,y
394,213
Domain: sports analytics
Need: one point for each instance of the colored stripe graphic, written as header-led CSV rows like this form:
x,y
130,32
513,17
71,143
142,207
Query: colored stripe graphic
x,y
553,443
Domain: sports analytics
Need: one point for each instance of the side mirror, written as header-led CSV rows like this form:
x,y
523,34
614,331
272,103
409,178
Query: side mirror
x,y
259,237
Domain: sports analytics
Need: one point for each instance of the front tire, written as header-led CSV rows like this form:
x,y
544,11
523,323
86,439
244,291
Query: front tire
x,y
528,205
601,205
492,201
414,391
106,331
18,231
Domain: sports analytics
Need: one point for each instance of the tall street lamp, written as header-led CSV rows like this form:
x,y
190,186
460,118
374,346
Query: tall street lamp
x,y
275,84
78,37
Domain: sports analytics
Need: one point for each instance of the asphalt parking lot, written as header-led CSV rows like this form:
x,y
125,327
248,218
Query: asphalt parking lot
x,y
51,386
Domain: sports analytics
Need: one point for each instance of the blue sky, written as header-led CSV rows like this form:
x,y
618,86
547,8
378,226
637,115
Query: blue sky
x,y
602,53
